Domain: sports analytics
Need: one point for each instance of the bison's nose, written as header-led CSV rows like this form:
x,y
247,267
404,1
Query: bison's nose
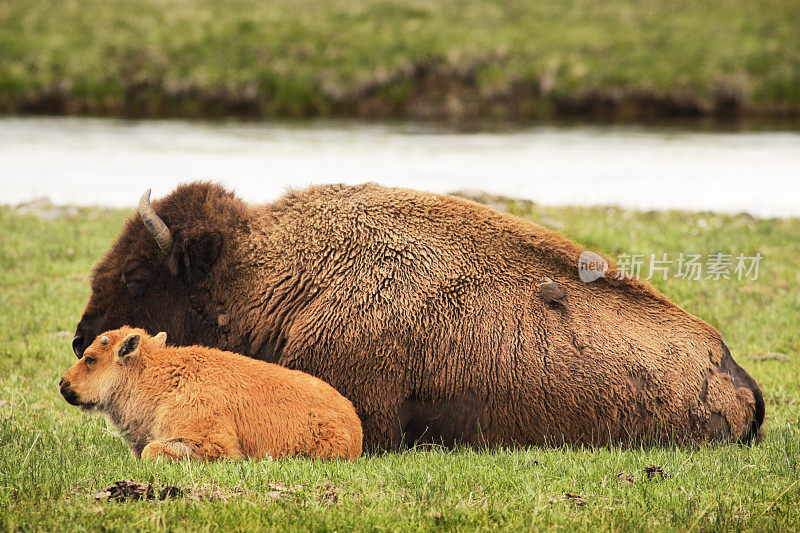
x,y
77,345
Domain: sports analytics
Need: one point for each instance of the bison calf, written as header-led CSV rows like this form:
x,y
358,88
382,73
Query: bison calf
x,y
197,402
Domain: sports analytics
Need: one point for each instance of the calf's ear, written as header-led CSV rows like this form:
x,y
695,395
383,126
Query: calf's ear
x,y
130,346
194,257
160,340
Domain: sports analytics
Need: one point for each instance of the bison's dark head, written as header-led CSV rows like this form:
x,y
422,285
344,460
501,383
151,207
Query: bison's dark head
x,y
158,273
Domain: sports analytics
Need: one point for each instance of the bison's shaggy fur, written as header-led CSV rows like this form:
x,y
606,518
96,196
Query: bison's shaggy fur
x,y
202,403
426,311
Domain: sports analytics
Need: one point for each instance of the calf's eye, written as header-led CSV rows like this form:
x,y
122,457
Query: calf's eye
x,y
104,340
89,360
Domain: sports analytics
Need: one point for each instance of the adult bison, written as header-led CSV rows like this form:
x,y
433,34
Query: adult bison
x,y
428,313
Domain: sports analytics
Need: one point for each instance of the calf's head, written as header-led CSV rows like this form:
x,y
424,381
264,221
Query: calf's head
x,y
90,382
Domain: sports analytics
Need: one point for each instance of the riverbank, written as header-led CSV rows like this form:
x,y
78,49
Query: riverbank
x,y
54,459
620,60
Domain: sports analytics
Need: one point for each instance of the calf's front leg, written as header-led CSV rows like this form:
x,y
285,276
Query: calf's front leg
x,y
176,449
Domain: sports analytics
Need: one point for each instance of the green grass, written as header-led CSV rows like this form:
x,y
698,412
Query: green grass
x,y
53,457
357,57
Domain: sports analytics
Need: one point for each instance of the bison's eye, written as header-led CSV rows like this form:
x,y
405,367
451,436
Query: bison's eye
x,y
136,278
89,360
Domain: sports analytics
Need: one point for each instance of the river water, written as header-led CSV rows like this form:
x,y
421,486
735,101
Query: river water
x,y
111,162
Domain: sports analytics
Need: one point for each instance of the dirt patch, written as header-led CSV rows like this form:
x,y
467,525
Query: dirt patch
x,y
130,490
571,497
282,491
212,493
624,477
575,498
770,356
654,471
328,495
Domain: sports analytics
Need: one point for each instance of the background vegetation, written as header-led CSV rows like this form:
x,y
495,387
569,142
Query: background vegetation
x,y
410,58
53,458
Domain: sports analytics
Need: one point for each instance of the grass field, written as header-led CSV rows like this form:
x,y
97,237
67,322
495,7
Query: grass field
x,y
53,458
377,58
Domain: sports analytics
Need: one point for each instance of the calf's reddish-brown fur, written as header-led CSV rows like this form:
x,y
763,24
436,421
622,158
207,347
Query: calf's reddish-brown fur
x,y
427,312
197,402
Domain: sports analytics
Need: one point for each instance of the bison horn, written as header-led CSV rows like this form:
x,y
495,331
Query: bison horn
x,y
154,224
